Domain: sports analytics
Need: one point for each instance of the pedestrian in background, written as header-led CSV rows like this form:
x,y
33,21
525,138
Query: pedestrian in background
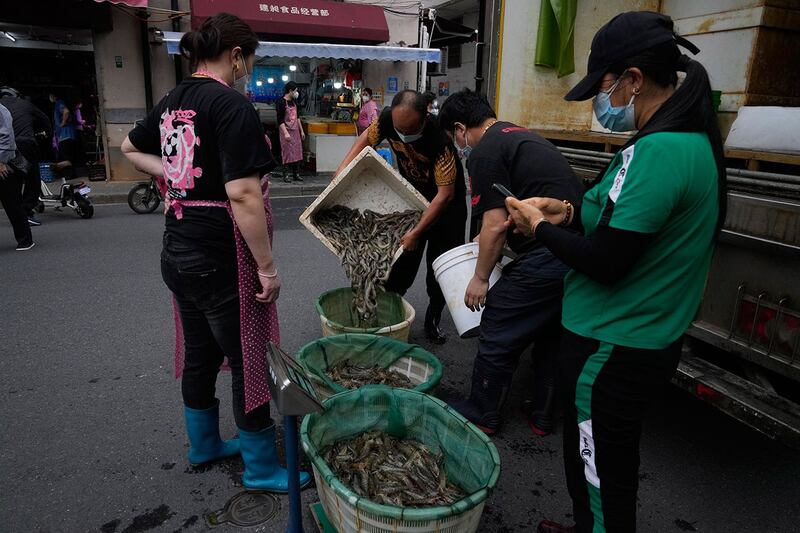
x,y
81,131
640,267
29,121
11,183
433,103
65,137
205,139
291,131
369,111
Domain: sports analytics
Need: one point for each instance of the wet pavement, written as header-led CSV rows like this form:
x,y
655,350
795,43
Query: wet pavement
x,y
92,434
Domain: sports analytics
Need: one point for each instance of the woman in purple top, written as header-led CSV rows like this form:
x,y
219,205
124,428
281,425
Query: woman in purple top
x,y
369,111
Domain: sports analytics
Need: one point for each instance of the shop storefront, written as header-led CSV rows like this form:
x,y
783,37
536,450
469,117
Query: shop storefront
x,y
120,58
106,55
331,51
53,54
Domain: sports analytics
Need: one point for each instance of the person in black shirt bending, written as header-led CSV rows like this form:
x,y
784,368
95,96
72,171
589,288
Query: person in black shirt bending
x,y
524,306
426,158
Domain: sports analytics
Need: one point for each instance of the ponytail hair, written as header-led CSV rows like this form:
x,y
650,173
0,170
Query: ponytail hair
x,y
217,34
688,109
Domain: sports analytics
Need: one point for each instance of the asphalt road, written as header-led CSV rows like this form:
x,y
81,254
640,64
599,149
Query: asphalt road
x,y
92,434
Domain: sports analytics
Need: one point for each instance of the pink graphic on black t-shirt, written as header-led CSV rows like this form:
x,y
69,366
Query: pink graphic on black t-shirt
x,y
178,140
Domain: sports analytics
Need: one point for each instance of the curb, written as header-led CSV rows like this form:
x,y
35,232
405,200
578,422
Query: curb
x,y
100,199
276,192
308,190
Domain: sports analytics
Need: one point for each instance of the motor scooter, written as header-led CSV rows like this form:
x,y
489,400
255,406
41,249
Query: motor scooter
x,y
72,195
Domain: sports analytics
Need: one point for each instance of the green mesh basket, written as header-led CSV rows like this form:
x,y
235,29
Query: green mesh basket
x,y
420,366
394,314
470,458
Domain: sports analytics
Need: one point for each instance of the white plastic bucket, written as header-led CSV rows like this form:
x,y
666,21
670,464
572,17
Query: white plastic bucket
x,y
454,270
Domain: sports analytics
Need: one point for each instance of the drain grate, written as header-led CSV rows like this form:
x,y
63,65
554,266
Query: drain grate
x,y
246,509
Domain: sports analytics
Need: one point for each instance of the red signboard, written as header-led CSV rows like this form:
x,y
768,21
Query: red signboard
x,y
302,20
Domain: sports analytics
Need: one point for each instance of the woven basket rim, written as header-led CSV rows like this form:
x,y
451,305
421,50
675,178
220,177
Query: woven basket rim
x,y
392,511
408,311
428,385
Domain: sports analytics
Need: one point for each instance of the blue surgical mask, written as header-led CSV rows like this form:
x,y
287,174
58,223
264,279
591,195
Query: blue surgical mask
x,y
464,152
621,118
408,138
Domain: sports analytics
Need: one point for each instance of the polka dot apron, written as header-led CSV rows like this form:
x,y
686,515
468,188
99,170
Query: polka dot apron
x,y
258,321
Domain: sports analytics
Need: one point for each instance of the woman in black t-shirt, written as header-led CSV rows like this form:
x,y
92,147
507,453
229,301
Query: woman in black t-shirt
x,y
205,139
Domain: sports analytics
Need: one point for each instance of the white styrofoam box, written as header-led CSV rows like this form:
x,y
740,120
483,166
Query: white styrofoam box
x,y
766,128
368,182
330,151
726,55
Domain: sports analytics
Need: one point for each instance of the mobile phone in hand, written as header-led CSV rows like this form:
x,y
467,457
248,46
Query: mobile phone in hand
x,y
503,190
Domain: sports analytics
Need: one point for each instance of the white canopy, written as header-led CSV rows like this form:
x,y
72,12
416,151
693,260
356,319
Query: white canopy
x,y
322,50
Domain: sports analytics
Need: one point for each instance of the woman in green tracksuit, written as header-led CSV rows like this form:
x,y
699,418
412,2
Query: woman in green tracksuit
x,y
639,263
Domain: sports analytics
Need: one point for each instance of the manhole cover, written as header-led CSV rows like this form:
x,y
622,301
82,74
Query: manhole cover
x,y
246,509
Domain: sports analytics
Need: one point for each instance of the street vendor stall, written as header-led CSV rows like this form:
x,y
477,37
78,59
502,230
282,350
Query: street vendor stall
x,y
331,51
328,75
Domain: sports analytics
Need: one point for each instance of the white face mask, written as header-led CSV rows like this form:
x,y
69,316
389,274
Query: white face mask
x,y
406,139
365,98
241,84
463,151
296,95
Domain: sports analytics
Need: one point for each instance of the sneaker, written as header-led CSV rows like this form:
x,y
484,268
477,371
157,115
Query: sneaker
x,y
23,247
298,179
33,222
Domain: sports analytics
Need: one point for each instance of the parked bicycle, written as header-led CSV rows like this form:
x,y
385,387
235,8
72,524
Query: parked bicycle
x,y
146,196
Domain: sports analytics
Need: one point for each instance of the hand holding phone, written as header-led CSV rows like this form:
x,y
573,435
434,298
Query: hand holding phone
x,y
504,191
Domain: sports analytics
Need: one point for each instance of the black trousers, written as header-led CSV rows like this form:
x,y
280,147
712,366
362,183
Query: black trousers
x,y
11,198
523,307
606,390
445,234
207,292
31,190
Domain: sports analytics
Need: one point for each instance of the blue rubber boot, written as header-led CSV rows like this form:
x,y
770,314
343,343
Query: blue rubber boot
x,y
262,471
205,444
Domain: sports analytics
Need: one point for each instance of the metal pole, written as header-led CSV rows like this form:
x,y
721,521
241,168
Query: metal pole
x,y
293,469
768,176
146,67
176,26
422,66
480,44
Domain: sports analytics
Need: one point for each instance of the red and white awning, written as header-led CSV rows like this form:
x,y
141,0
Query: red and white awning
x,y
327,50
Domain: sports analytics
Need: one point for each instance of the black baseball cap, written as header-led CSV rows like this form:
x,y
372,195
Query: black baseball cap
x,y
622,37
